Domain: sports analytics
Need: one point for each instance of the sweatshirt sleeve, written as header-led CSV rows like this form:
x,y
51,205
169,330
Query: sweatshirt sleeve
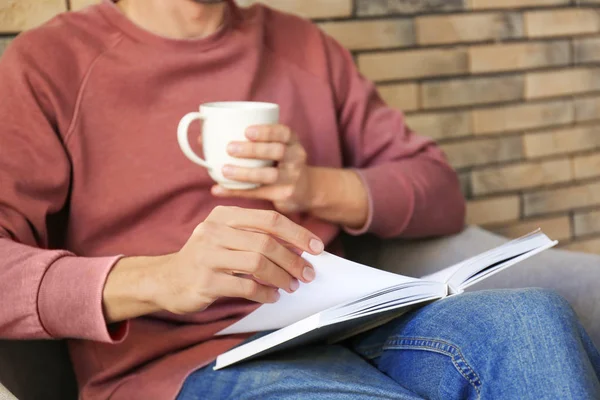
x,y
413,191
44,293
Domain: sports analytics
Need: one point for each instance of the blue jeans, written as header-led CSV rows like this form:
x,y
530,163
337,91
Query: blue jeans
x,y
502,344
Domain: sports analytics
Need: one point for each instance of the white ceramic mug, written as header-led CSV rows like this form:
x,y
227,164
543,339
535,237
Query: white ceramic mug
x,y
223,123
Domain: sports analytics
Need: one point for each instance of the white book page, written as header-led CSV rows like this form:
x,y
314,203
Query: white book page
x,y
479,277
337,281
507,251
457,274
444,274
403,294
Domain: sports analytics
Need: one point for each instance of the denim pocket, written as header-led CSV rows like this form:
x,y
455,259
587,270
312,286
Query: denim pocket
x,y
431,368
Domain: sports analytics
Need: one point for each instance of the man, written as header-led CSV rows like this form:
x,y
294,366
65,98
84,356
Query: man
x,y
89,163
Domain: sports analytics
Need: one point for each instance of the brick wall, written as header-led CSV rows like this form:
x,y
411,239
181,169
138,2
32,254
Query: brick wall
x,y
510,88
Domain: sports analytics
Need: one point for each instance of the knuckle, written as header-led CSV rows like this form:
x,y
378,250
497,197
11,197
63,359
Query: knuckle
x,y
278,151
298,263
271,176
294,174
218,212
294,265
211,227
219,209
302,156
301,235
287,133
257,263
202,229
251,289
202,297
261,150
284,193
273,218
288,192
267,131
267,244
198,230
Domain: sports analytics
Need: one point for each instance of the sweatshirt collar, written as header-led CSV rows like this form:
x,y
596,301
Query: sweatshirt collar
x,y
114,15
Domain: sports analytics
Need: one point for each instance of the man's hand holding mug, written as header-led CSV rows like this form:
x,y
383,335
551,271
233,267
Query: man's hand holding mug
x,y
250,155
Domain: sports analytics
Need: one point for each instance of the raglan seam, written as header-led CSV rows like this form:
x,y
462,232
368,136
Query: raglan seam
x,y
83,86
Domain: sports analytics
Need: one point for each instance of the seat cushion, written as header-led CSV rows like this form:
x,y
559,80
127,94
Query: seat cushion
x,y
37,370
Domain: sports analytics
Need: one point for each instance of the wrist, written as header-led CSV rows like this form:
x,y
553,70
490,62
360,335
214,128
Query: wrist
x,y
331,186
131,287
339,196
317,195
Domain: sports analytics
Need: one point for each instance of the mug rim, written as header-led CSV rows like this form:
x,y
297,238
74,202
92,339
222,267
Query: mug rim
x,y
240,105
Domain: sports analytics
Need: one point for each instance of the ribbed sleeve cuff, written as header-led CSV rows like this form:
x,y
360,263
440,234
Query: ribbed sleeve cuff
x,y
391,201
367,225
70,300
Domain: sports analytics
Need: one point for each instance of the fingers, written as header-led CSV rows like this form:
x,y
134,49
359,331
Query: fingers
x,y
270,222
259,151
260,193
261,268
270,133
236,287
290,265
280,194
264,176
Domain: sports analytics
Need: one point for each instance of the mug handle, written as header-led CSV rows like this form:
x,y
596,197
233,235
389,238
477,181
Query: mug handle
x,y
182,138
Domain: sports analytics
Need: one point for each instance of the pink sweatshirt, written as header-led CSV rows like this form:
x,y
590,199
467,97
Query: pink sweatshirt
x,y
90,170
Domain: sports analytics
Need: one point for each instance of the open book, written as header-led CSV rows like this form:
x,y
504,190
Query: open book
x,y
347,298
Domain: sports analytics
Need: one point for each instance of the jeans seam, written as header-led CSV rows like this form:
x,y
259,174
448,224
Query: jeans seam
x,y
438,346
